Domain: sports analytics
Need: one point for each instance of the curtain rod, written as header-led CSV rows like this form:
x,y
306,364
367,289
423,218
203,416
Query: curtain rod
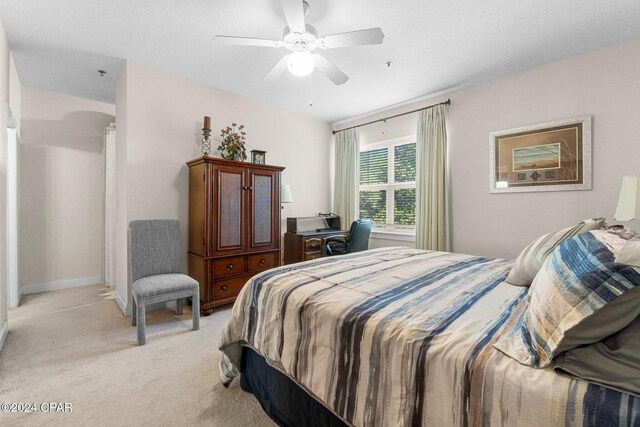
x,y
447,102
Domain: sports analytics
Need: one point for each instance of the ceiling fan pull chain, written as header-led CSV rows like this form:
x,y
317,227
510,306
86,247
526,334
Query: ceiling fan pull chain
x,y
310,90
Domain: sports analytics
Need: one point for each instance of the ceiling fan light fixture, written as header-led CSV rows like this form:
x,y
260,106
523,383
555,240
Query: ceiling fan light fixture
x,y
301,63
301,39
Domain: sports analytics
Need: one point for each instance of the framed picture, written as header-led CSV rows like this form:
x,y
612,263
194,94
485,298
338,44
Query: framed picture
x,y
553,156
258,157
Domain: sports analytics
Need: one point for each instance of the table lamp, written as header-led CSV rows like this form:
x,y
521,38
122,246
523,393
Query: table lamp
x,y
629,200
285,194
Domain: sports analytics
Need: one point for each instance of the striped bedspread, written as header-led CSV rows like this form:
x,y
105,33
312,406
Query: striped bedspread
x,y
403,337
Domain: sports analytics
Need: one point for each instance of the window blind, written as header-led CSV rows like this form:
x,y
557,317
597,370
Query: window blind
x,y
405,162
373,166
404,206
373,205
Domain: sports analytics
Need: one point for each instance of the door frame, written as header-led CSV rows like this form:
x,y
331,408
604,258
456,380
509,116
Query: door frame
x,y
13,153
109,206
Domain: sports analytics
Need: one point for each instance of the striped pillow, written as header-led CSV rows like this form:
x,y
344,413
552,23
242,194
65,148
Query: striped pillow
x,y
527,264
580,296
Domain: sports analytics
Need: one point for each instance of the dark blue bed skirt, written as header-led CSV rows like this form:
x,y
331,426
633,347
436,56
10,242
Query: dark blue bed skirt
x,y
282,399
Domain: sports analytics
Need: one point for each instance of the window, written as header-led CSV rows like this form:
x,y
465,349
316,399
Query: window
x,y
388,184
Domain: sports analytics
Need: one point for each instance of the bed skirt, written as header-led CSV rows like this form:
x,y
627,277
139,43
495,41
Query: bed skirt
x,y
282,399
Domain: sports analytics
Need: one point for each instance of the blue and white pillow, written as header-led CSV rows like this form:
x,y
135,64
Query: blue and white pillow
x,y
579,296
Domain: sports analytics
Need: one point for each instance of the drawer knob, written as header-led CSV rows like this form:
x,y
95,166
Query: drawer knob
x,y
230,267
314,244
262,261
223,288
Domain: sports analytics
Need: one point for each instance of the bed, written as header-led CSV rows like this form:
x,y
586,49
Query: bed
x,y
399,337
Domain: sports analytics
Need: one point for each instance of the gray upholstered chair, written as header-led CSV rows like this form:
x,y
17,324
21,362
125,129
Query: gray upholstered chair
x,y
155,270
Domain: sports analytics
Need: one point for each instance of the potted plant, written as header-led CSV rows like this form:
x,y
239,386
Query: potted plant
x,y
232,144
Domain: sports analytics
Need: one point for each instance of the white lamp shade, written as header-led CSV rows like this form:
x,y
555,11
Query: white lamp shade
x,y
285,194
629,200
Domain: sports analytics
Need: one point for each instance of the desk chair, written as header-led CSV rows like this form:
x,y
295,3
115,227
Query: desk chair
x,y
357,240
155,270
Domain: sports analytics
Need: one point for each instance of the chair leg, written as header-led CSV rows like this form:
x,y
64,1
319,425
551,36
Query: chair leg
x,y
141,324
133,311
179,302
195,311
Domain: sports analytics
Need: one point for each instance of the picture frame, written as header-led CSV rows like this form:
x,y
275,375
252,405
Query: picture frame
x,y
258,157
551,156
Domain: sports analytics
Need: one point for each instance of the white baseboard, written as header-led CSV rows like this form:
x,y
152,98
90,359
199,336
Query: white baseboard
x,y
121,303
20,293
36,288
3,334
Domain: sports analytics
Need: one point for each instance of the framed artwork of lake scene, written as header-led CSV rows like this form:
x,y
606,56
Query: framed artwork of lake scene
x,y
550,156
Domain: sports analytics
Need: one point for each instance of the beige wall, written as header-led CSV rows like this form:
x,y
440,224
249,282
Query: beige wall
x,y
603,84
61,187
163,121
4,99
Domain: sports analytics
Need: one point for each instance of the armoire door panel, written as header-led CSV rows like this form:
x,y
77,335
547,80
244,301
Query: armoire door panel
x,y
262,209
265,200
229,208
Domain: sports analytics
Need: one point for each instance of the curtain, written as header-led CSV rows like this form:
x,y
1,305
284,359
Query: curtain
x,y
109,240
345,185
432,199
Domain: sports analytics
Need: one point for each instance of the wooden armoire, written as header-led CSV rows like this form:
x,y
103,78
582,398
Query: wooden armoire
x,y
234,225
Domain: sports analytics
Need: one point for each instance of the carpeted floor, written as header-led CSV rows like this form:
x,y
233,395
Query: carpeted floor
x,y
76,346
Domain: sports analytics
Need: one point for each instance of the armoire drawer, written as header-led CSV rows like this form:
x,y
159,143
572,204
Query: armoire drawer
x,y
229,287
262,261
228,266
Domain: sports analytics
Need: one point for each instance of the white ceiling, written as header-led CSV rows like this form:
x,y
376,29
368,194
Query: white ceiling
x,y
434,45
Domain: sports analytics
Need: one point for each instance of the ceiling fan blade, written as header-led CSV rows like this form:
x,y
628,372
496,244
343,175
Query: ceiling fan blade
x,y
294,14
327,68
353,38
277,70
245,41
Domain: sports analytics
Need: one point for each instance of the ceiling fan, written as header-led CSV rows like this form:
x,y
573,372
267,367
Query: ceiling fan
x,y
301,39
